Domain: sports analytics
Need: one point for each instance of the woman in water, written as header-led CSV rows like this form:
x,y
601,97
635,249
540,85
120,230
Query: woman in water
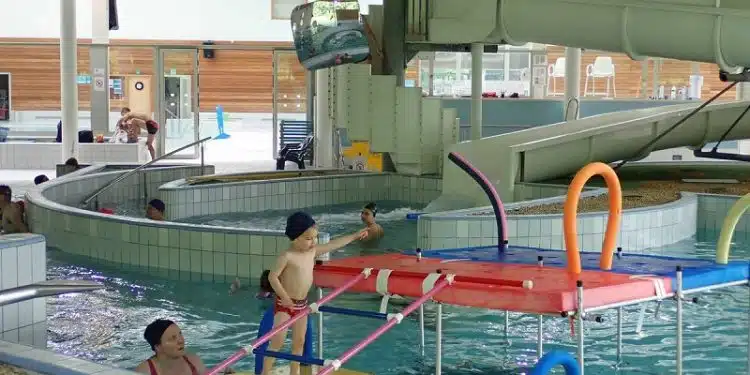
x,y
170,357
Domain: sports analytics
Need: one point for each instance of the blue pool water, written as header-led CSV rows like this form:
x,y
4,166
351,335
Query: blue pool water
x,y
106,326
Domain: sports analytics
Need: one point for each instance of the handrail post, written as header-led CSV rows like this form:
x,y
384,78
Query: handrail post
x,y
140,167
203,161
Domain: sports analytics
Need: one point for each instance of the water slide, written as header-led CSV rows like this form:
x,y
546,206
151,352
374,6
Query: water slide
x,y
697,30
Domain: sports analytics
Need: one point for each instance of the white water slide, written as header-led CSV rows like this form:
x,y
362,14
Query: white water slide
x,y
715,31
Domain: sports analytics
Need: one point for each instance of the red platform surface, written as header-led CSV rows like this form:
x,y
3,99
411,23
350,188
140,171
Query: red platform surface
x,y
478,284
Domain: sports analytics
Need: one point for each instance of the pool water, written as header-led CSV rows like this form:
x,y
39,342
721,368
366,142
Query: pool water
x,y
106,326
337,220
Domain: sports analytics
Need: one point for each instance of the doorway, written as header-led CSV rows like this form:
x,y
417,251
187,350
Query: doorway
x,y
177,102
4,96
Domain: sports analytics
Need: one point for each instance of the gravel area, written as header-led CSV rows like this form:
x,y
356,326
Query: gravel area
x,y
648,193
11,370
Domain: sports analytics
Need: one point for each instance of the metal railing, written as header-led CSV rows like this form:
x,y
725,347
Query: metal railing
x,y
106,187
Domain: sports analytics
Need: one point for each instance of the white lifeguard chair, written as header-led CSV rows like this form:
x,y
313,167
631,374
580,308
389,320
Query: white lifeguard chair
x,y
556,70
603,67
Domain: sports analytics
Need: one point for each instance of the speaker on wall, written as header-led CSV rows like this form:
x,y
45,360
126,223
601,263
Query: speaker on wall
x,y
208,52
113,22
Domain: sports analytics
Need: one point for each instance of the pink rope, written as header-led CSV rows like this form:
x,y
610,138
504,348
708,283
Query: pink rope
x,y
329,369
265,338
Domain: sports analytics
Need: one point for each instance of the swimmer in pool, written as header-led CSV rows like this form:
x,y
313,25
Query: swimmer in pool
x,y
265,292
11,213
170,357
374,230
155,210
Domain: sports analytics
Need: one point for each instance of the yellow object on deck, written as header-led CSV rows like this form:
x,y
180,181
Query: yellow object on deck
x,y
359,157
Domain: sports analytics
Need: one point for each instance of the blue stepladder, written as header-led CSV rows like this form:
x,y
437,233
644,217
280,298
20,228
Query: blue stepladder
x,y
306,359
557,358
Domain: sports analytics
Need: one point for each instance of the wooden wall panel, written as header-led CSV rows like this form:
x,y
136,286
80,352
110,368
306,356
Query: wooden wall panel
x,y
241,81
628,74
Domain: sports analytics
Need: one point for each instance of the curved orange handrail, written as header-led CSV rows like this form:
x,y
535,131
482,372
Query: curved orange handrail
x,y
570,214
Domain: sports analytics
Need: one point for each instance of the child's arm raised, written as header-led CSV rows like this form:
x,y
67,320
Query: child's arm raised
x,y
340,242
273,278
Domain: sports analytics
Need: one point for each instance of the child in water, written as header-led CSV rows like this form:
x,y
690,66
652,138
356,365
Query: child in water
x,y
292,277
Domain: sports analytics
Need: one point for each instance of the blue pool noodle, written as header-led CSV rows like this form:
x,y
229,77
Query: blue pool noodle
x,y
556,358
266,325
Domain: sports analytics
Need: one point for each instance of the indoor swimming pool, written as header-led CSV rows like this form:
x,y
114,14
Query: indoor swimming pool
x,y
107,326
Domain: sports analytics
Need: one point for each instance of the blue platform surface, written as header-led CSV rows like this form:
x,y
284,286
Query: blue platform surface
x,y
697,273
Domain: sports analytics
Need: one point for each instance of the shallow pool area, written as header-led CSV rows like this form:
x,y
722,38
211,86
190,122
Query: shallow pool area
x,y
216,324
337,220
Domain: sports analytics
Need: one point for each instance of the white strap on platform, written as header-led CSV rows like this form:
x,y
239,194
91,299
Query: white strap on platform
x,y
381,286
429,282
659,289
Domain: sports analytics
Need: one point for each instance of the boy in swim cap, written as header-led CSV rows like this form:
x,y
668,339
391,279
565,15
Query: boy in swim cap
x,y
374,230
292,278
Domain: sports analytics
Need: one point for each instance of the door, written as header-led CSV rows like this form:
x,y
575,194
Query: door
x,y
289,99
178,108
139,94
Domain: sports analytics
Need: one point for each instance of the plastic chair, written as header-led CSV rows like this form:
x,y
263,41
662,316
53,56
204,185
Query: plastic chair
x,y
556,70
603,67
295,152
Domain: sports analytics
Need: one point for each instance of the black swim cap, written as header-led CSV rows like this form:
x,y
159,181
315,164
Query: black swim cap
x,y
372,207
158,204
155,330
297,224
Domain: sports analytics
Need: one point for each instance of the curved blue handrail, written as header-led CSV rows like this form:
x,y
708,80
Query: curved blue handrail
x,y
557,358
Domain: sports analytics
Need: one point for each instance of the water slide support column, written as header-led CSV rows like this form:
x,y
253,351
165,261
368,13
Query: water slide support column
x,y
477,51
323,127
572,83
743,91
99,63
68,78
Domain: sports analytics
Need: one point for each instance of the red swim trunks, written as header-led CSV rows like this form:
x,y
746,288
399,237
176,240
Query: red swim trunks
x,y
299,306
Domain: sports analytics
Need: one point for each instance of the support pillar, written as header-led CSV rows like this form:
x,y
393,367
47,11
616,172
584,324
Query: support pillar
x,y
99,64
325,137
743,91
394,39
572,83
477,52
68,78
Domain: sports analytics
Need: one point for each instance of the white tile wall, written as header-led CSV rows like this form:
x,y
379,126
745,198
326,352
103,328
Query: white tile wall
x,y
641,228
42,155
713,209
203,252
23,261
252,196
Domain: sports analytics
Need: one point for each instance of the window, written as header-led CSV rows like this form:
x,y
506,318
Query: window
x,y
282,9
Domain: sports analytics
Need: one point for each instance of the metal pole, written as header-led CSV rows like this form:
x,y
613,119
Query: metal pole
x,y
421,329
431,74
679,321
439,339
203,160
619,336
579,317
507,325
572,83
274,104
540,324
320,326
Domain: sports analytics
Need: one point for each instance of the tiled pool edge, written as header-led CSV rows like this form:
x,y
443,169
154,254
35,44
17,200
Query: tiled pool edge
x,y
207,253
23,262
640,228
47,362
295,193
